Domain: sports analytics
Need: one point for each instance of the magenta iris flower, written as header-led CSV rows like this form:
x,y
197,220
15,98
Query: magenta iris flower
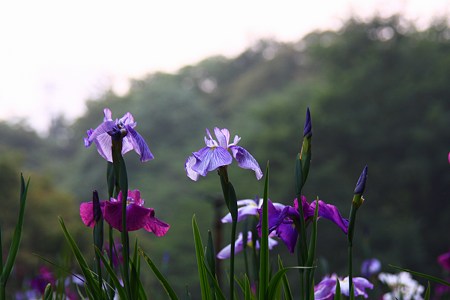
x,y
124,128
239,245
138,216
217,154
281,219
444,260
326,289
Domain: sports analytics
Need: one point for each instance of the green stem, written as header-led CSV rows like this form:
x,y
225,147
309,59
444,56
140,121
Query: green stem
x,y
121,178
230,199
351,230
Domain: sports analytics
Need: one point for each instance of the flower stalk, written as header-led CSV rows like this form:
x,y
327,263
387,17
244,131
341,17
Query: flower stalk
x,y
356,203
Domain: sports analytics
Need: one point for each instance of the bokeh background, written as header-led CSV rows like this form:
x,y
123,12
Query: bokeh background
x,y
376,78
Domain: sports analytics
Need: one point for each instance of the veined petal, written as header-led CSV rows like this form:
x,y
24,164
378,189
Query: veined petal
x,y
209,159
139,144
104,146
158,227
243,212
103,128
136,215
223,137
190,162
331,213
325,289
246,161
87,212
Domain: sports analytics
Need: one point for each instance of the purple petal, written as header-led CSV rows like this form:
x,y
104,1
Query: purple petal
x,y
325,289
87,212
223,137
158,227
246,161
128,119
108,115
139,144
104,146
238,247
136,215
190,162
360,286
444,260
331,213
288,234
243,212
209,159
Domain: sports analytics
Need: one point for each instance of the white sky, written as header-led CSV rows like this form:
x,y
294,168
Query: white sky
x,y
54,54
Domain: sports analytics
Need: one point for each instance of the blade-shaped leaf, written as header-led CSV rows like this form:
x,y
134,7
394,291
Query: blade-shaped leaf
x,y
264,246
203,277
426,276
166,285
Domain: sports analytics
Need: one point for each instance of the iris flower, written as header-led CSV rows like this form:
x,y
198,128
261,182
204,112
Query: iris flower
x,y
239,245
217,154
326,289
402,286
281,219
248,207
137,215
122,128
370,267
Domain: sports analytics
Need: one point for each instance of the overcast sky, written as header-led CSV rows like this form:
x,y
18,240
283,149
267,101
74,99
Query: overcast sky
x,y
54,54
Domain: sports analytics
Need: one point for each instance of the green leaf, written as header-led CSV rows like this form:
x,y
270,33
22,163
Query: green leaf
x,y
166,285
15,243
337,293
91,283
264,247
202,273
216,288
276,280
48,292
112,274
286,286
429,277
428,292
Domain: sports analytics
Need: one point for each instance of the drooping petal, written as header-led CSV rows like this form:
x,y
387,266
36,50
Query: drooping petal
x,y
104,146
325,289
288,234
331,213
103,128
158,227
246,160
139,144
226,251
87,212
209,159
136,215
190,162
223,137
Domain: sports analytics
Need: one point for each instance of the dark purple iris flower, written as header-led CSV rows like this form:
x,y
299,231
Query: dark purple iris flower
x,y
282,219
138,216
122,128
326,289
44,277
216,154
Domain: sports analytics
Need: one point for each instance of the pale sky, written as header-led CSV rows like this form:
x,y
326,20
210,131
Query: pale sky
x,y
54,54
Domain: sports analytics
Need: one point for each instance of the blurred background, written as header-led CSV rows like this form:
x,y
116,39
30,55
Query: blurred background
x,y
375,74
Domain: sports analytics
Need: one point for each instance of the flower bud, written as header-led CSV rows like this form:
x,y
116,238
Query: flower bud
x,y
361,184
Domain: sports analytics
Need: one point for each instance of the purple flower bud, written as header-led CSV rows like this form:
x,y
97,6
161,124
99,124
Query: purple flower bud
x,y
361,184
307,130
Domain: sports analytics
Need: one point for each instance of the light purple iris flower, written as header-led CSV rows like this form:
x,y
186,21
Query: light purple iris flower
x,y
239,245
137,215
248,207
123,127
326,289
370,267
281,219
216,154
